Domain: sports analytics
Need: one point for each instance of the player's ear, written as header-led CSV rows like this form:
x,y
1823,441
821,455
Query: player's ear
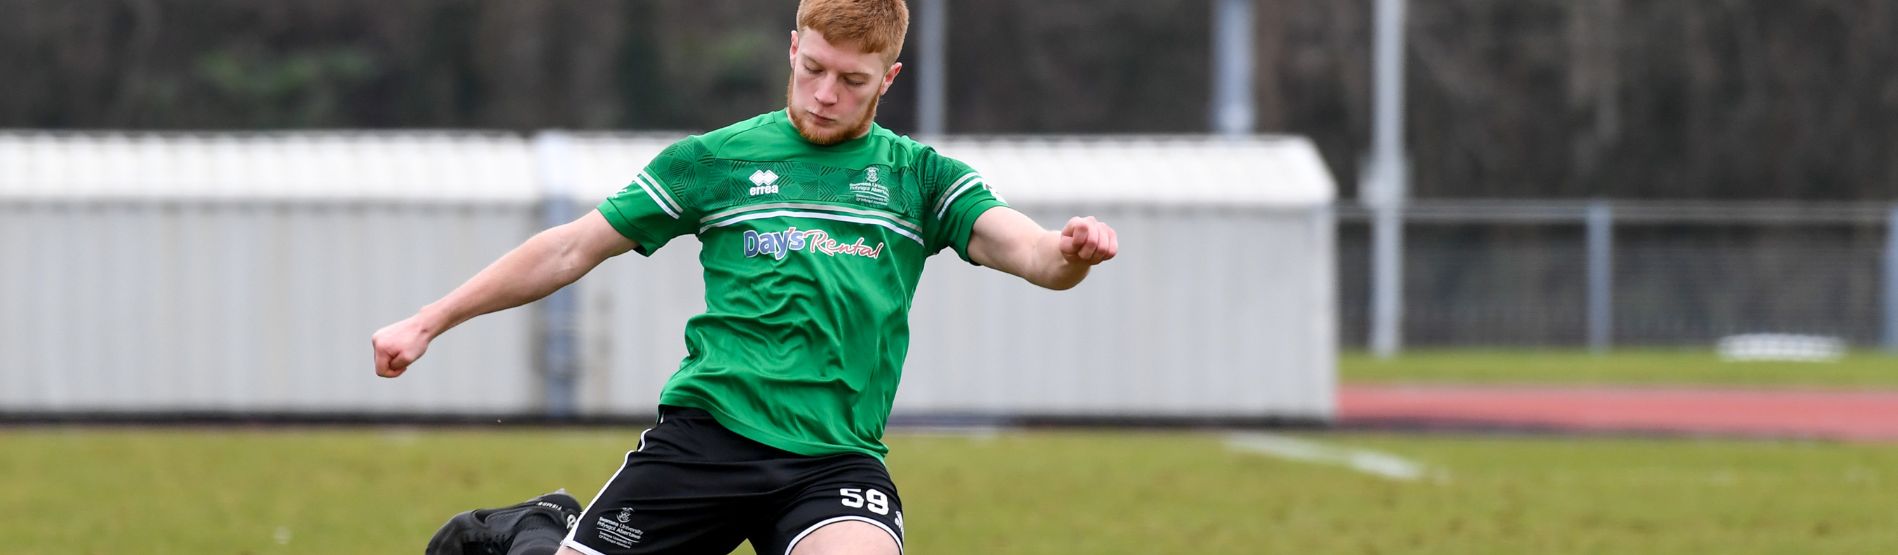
x,y
793,56
889,77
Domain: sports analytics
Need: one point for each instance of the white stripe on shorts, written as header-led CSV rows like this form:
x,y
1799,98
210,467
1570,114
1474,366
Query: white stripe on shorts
x,y
814,527
609,481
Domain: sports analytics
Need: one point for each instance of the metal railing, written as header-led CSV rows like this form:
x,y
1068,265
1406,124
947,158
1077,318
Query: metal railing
x,y
1601,273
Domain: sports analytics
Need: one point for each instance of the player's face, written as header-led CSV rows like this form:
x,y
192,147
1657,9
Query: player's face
x,y
834,89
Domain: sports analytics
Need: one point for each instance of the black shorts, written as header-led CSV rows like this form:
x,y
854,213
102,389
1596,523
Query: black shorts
x,y
695,487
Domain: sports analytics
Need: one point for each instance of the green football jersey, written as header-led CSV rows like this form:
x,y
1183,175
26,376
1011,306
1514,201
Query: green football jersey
x,y
811,256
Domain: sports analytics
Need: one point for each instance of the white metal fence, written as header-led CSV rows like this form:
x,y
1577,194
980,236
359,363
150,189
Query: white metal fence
x,y
245,273
1625,273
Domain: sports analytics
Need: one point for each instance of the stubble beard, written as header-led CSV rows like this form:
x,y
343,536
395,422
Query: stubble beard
x,y
821,137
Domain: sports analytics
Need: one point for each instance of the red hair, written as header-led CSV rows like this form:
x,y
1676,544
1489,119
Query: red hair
x,y
876,26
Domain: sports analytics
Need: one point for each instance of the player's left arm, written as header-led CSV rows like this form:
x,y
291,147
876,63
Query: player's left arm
x,y
1007,240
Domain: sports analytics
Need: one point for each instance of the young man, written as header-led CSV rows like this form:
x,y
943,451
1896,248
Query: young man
x,y
815,223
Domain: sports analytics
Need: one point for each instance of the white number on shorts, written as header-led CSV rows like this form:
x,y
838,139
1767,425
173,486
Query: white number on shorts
x,y
858,498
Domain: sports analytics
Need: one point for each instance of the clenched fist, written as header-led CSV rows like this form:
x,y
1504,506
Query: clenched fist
x,y
1088,241
397,346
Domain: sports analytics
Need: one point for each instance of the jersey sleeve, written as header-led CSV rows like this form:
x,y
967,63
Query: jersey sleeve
x,y
958,196
658,205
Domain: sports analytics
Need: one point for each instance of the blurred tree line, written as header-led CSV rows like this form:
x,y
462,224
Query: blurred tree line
x,y
1507,98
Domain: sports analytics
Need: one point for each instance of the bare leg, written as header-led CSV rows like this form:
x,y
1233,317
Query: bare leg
x,y
848,537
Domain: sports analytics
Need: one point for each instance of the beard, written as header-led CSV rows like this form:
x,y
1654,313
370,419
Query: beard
x,y
826,137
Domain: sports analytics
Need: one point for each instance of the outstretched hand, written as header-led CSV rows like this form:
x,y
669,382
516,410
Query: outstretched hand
x,y
398,345
1088,241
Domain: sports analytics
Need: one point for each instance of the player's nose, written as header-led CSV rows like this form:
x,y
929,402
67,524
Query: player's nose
x,y
826,92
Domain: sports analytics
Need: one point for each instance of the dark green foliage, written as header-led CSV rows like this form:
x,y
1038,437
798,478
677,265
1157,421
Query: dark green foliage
x,y
1508,98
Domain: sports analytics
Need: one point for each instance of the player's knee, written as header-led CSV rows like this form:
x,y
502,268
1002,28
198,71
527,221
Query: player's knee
x,y
566,550
849,537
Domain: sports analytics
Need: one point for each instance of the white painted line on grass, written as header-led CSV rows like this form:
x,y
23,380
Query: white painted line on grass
x,y
970,432
1362,460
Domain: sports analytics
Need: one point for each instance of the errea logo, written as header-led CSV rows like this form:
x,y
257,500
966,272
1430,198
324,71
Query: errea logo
x,y
764,182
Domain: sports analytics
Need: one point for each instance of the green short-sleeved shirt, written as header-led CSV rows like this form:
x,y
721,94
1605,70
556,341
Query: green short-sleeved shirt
x,y
811,255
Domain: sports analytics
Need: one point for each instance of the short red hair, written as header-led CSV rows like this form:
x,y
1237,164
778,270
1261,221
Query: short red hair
x,y
873,25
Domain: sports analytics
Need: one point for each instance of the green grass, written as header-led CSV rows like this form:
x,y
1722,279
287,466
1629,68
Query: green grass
x,y
1637,367
348,492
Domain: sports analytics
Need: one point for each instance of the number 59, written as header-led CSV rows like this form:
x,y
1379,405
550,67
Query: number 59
x,y
857,498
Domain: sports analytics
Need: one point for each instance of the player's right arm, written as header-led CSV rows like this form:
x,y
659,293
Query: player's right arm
x,y
543,264
641,217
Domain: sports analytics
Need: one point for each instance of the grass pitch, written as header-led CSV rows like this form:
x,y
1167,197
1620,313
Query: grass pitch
x,y
1622,367
84,490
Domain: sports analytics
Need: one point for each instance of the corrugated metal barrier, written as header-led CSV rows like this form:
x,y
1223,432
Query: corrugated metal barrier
x,y
244,274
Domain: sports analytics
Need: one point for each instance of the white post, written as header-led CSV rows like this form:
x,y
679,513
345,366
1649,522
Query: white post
x,y
1601,277
559,313
932,82
1387,280
1385,184
1891,283
1232,111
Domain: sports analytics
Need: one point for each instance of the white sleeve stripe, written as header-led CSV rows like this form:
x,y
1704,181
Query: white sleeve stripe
x,y
952,197
655,196
959,181
658,193
663,192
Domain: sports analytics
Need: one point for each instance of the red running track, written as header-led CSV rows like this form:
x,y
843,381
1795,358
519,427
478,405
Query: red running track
x,y
1840,415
